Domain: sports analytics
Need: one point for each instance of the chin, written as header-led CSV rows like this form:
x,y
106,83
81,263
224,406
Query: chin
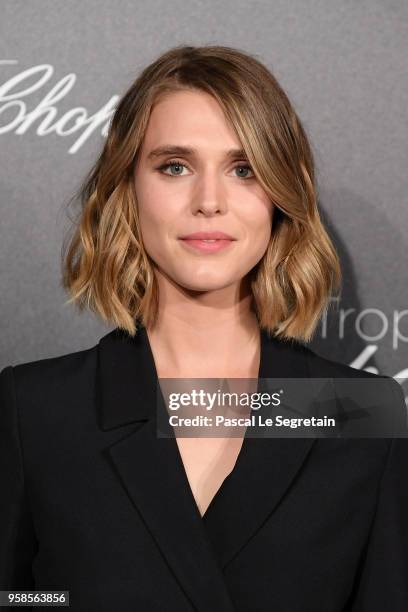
x,y
206,285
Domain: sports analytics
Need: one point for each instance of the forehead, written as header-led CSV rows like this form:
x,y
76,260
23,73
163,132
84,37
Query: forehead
x,y
190,118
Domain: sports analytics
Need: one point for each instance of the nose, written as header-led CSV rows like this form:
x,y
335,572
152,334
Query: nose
x,y
209,195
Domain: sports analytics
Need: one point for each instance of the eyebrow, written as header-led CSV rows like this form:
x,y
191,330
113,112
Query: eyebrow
x,y
168,149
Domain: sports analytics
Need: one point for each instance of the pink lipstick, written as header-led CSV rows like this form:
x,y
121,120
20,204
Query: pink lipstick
x,y
207,242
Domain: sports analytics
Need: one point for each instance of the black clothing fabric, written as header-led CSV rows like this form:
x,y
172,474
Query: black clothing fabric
x,y
93,502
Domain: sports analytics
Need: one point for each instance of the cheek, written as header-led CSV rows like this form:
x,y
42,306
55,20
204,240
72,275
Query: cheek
x,y
258,221
258,230
159,203
154,212
156,220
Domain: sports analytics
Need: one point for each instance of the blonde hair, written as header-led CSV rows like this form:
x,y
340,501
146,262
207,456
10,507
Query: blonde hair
x,y
104,264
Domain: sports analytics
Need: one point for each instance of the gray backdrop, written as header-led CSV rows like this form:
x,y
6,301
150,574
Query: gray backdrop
x,y
342,63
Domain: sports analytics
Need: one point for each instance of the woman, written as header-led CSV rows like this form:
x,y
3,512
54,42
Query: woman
x,y
204,145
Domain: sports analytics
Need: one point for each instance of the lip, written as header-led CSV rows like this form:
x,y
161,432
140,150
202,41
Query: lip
x,y
207,236
196,241
206,247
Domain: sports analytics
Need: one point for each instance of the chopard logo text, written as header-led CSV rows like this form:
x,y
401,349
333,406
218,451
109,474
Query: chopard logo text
x,y
17,115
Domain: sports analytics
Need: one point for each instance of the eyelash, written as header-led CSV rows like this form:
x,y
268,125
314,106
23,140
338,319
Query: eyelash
x,y
176,162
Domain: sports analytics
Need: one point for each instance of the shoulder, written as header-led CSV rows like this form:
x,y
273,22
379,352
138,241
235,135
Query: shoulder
x,y
49,380
358,383
53,368
319,365
330,367
49,399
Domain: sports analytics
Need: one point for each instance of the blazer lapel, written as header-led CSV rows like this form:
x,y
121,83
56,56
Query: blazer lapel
x,y
196,548
265,467
151,469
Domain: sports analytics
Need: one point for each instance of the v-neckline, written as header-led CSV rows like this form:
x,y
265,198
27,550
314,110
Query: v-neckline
x,y
271,349
219,491
151,470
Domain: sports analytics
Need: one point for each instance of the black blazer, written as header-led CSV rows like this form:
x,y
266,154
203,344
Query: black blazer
x,y
93,502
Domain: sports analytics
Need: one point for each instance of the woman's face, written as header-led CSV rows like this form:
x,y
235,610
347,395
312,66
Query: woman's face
x,y
202,189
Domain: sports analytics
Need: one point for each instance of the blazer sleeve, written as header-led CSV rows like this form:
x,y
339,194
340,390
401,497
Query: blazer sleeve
x,y
383,577
18,543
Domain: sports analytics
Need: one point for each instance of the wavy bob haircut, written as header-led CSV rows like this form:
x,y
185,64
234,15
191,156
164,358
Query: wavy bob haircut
x,y
104,264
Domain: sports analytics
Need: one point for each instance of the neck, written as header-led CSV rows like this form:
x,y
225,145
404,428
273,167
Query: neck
x,y
205,334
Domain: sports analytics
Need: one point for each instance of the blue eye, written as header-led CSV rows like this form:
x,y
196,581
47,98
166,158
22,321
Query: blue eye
x,y
171,164
239,167
179,165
